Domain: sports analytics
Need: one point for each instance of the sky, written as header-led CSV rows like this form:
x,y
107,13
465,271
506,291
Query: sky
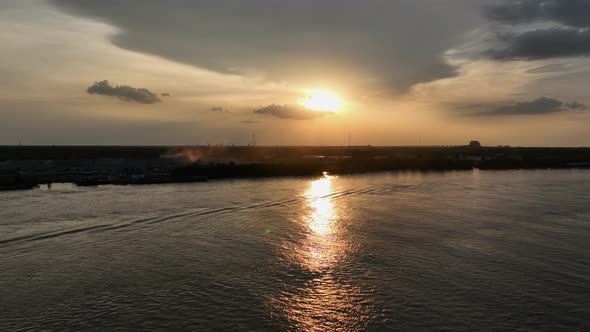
x,y
406,72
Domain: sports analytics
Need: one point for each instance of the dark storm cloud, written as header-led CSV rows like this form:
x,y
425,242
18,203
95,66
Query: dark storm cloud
x,y
545,44
541,105
123,92
387,44
292,112
570,37
573,13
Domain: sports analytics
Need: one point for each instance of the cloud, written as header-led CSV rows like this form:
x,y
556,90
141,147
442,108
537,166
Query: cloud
x,y
219,109
123,92
576,106
249,121
541,105
544,44
551,68
562,29
573,13
165,94
292,112
369,43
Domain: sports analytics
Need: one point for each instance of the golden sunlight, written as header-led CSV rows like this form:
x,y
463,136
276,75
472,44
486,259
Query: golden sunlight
x,y
327,301
323,214
322,100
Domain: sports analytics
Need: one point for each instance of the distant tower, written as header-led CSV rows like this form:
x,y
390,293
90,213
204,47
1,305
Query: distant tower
x,y
253,138
349,139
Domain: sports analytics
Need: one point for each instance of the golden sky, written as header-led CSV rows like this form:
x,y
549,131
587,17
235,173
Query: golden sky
x,y
296,73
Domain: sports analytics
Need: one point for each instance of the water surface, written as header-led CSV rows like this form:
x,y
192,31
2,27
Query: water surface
x,y
396,251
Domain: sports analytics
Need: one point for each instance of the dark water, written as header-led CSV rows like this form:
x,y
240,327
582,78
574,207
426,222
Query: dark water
x,y
402,251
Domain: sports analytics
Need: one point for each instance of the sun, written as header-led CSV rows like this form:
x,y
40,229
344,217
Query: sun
x,y
322,100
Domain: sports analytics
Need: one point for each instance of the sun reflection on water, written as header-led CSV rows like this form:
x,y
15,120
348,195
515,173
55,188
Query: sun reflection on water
x,y
324,245
320,294
322,218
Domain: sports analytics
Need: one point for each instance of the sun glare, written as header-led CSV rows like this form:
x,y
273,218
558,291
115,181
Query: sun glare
x,y
321,100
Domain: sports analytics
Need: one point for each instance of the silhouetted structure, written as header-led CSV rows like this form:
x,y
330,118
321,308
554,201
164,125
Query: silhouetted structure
x,y
474,145
142,165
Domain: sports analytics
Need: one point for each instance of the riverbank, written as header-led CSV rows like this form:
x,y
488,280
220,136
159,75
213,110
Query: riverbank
x,y
27,167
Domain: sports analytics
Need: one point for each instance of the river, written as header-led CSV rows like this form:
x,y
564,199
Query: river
x,y
471,250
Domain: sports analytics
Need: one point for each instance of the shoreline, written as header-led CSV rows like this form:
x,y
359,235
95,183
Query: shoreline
x,y
141,182
29,166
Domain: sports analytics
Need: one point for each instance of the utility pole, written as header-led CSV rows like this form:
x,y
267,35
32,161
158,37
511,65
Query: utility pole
x,y
253,138
349,139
